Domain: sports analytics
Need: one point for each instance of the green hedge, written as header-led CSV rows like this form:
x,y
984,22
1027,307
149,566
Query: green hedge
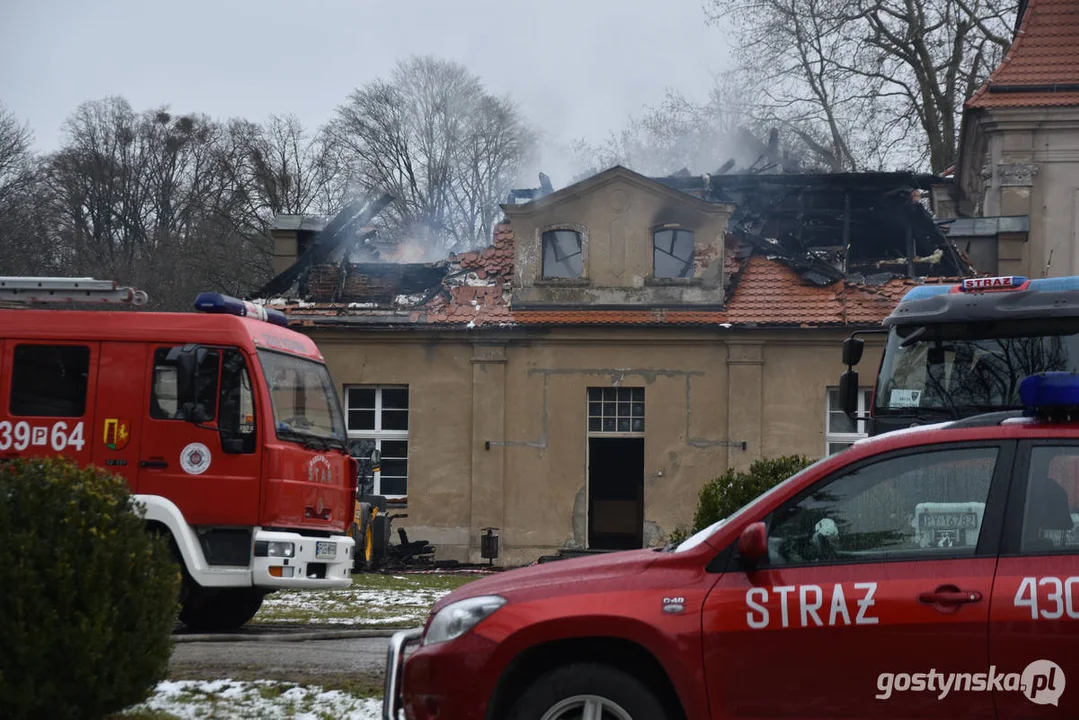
x,y
735,489
89,597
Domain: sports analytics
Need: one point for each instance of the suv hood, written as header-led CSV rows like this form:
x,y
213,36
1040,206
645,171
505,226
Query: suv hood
x,y
533,581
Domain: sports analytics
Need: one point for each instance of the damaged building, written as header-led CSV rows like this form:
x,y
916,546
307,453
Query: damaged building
x,y
620,342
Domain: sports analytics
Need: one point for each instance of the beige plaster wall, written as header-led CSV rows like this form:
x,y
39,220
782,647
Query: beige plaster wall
x,y
1034,170
617,213
705,393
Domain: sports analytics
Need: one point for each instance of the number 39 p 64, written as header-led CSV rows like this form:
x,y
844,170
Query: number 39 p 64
x,y
23,435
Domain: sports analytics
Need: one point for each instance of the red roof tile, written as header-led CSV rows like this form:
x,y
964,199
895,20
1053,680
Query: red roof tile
x,y
1045,51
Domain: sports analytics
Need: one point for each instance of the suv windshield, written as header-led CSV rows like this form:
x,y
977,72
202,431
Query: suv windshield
x,y
305,405
963,368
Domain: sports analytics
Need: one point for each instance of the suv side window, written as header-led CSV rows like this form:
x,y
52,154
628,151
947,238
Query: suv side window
x,y
49,380
929,504
1051,510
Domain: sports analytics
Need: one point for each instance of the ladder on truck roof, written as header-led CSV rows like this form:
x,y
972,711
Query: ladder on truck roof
x,y
68,290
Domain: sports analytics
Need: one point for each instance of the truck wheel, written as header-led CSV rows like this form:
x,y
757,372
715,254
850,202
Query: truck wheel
x,y
588,690
219,609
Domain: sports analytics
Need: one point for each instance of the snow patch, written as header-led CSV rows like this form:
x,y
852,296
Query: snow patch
x,y
197,699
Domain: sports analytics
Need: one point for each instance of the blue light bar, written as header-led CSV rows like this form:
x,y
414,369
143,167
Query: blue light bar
x,y
1057,284
924,291
212,302
1047,392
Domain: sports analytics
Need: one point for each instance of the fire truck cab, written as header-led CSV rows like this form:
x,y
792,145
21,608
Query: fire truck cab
x,y
225,424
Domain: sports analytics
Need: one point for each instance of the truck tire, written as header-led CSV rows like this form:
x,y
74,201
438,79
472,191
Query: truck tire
x,y
219,609
567,692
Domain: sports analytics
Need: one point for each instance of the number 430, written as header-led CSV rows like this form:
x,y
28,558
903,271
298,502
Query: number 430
x,y
1061,597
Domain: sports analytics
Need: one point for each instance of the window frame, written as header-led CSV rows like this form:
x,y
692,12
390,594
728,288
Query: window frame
x,y
865,402
88,401
378,435
993,519
581,233
216,394
631,433
1011,543
693,255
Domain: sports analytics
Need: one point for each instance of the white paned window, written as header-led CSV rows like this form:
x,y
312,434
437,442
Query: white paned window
x,y
380,414
840,431
616,410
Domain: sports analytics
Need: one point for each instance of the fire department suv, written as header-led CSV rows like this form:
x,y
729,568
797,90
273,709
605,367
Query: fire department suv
x,y
925,573
225,424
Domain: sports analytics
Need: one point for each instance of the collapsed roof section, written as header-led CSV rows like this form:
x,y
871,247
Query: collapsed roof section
x,y
863,227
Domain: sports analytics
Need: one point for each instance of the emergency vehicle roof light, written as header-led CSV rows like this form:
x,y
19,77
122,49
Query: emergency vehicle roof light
x,y
1050,394
1003,282
212,302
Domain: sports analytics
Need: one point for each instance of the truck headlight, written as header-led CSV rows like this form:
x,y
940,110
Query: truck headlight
x,y
456,619
265,548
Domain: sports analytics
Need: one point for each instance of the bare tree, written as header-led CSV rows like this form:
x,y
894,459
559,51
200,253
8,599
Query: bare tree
x,y
15,155
868,84
22,200
149,198
431,136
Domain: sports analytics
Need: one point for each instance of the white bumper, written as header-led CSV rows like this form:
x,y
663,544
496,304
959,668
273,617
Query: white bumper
x,y
317,562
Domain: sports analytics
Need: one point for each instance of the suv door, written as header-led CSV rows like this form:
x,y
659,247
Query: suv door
x,y
1034,622
875,589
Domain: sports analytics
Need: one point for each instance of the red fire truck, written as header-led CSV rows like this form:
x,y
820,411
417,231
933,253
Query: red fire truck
x,y
226,425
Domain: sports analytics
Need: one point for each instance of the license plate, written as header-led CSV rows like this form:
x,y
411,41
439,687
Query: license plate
x,y
950,520
325,550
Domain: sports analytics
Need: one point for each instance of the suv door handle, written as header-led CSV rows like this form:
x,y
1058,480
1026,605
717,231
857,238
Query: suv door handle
x,y
950,595
154,463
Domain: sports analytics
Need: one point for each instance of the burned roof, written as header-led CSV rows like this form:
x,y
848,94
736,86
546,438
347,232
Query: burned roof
x,y
802,250
474,291
837,225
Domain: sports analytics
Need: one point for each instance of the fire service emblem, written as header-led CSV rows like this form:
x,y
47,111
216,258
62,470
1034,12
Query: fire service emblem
x,y
319,470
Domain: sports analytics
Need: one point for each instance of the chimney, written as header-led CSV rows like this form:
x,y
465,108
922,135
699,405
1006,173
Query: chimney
x,y
292,235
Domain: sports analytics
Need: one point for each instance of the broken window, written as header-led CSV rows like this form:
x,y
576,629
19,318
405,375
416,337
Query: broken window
x,y
380,414
672,253
616,410
562,254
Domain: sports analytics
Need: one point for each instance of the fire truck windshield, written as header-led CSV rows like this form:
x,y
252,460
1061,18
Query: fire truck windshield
x,y
305,405
958,369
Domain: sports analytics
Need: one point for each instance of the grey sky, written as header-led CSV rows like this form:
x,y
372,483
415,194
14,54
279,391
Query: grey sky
x,y
577,67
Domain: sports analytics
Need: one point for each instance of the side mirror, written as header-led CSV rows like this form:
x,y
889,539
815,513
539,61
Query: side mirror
x,y
848,392
852,351
376,460
753,542
185,360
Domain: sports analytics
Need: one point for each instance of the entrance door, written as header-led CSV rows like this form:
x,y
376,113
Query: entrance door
x,y
615,493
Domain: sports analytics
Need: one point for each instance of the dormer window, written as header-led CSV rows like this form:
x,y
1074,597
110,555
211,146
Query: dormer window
x,y
562,254
672,253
